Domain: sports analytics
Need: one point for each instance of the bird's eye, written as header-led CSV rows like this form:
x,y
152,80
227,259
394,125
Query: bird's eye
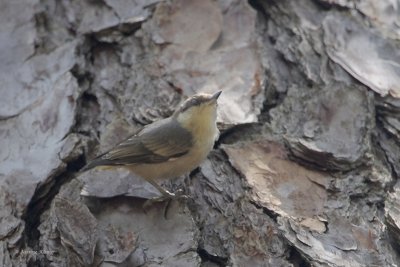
x,y
196,102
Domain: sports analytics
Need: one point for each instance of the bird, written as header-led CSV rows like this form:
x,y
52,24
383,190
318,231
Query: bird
x,y
167,148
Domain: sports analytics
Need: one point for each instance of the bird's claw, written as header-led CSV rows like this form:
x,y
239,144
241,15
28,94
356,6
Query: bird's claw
x,y
167,196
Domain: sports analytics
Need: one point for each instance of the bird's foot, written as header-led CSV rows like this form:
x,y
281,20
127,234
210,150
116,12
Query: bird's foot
x,y
167,196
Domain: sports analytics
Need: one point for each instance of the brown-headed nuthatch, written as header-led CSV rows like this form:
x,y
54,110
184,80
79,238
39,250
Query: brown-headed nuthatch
x,y
169,147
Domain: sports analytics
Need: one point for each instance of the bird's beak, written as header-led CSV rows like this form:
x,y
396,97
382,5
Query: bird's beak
x,y
216,95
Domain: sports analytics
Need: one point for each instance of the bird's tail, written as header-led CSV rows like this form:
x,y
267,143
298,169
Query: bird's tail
x,y
95,163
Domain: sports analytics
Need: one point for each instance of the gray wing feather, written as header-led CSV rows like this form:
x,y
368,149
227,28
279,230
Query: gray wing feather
x,y
158,142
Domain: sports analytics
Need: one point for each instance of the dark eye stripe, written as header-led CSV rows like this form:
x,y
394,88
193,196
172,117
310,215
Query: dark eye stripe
x,y
195,101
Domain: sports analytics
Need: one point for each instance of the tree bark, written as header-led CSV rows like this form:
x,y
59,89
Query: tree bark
x,y
304,173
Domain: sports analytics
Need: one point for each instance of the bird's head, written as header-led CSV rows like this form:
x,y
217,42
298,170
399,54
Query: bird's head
x,y
198,111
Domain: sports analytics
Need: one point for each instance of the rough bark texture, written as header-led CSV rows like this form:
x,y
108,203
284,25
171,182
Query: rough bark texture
x,y
305,172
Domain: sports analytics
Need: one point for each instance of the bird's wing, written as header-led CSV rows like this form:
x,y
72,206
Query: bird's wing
x,y
158,142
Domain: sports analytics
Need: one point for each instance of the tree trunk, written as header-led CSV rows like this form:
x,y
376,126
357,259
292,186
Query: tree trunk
x,y
304,172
